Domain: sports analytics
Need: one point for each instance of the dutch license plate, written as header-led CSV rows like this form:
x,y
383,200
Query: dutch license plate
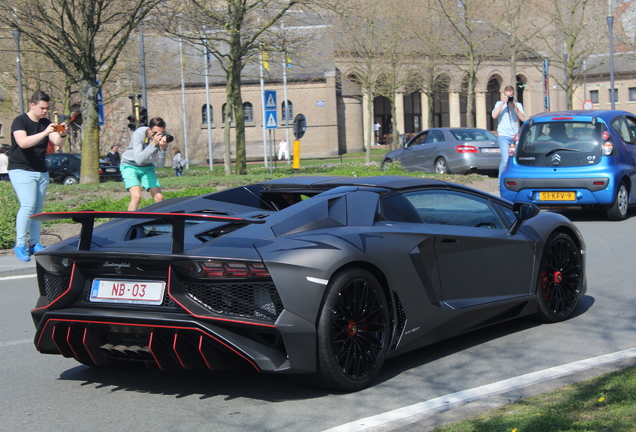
x,y
557,196
490,150
126,291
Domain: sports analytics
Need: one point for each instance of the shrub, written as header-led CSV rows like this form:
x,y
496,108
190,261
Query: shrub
x,y
9,206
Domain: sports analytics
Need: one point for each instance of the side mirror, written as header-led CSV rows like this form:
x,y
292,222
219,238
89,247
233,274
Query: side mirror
x,y
523,212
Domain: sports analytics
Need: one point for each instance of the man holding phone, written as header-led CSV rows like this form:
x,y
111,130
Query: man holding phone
x,y
30,135
508,113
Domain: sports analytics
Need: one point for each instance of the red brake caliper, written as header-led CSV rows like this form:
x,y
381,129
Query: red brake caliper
x,y
352,329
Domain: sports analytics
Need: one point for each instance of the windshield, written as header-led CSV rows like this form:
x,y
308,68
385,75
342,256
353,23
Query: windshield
x,y
560,143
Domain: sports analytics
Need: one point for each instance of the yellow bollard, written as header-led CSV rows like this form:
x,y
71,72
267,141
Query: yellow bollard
x,y
296,163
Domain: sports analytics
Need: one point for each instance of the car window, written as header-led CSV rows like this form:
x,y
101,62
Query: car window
x,y
397,209
631,124
454,208
435,136
620,125
473,135
418,139
560,143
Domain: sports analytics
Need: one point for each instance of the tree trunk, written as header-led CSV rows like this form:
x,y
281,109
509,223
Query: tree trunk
x,y
227,134
395,131
370,126
90,134
239,118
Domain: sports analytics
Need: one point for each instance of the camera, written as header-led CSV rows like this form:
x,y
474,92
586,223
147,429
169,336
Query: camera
x,y
58,128
511,99
169,138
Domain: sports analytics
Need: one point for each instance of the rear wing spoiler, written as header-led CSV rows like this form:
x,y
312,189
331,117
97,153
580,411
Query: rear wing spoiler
x,y
177,220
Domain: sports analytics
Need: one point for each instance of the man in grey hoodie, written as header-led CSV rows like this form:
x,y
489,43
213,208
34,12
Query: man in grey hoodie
x,y
146,151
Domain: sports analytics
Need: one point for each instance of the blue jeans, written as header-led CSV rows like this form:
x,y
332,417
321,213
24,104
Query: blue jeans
x,y
30,187
504,146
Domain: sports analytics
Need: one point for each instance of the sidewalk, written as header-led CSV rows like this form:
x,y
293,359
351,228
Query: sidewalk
x,y
11,266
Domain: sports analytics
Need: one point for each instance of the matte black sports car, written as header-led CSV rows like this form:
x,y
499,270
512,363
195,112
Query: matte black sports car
x,y
317,275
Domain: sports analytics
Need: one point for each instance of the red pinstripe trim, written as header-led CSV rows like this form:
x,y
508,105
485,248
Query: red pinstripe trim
x,y
70,283
230,347
211,318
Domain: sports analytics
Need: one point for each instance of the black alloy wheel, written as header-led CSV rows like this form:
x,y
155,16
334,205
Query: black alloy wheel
x,y
560,279
353,331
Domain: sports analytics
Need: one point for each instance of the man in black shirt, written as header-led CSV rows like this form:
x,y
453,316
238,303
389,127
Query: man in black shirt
x,y
30,135
113,156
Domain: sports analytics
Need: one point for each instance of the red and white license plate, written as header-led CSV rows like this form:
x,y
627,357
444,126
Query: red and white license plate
x,y
126,291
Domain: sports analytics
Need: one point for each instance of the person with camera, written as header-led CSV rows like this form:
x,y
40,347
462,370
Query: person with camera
x,y
30,135
508,113
146,151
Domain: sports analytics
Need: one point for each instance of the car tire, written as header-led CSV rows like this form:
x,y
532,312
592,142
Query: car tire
x,y
560,278
70,180
618,210
441,167
353,331
386,164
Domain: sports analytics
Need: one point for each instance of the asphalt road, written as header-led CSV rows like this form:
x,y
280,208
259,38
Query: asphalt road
x,y
51,393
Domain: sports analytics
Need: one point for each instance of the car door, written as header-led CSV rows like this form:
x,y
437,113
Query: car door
x,y
410,154
478,261
631,150
54,167
430,149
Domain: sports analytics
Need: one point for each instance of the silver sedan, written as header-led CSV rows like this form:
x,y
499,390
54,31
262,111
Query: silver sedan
x,y
449,150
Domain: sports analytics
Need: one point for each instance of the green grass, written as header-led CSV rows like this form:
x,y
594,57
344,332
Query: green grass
x,y
606,404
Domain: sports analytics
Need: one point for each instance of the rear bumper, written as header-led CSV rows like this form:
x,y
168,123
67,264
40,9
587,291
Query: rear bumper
x,y
175,340
589,191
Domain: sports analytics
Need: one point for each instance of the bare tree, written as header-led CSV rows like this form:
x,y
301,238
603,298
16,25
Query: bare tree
x,y
471,41
84,39
232,31
574,31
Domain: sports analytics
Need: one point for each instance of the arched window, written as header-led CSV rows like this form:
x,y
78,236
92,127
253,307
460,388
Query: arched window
x,y
289,115
248,112
223,109
204,114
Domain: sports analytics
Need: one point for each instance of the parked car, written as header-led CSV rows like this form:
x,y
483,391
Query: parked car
x,y
580,159
65,168
449,150
326,276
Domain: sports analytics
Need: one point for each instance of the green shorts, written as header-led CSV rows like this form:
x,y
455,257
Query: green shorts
x,y
144,176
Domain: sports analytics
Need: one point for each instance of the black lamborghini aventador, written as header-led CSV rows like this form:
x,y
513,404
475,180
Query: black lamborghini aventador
x,y
327,276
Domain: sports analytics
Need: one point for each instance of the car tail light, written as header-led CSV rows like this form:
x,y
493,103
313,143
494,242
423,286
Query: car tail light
x,y
608,148
209,269
466,149
511,150
54,264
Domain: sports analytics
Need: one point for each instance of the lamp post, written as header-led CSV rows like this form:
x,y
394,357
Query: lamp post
x,y
610,24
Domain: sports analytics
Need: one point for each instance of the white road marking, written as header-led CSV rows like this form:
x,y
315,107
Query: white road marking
x,y
18,342
17,277
466,396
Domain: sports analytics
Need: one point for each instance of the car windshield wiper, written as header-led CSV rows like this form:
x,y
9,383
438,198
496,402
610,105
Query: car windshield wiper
x,y
553,151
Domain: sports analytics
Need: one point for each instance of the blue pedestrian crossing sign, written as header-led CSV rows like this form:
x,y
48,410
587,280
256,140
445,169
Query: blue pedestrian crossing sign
x,y
271,117
270,100
271,120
